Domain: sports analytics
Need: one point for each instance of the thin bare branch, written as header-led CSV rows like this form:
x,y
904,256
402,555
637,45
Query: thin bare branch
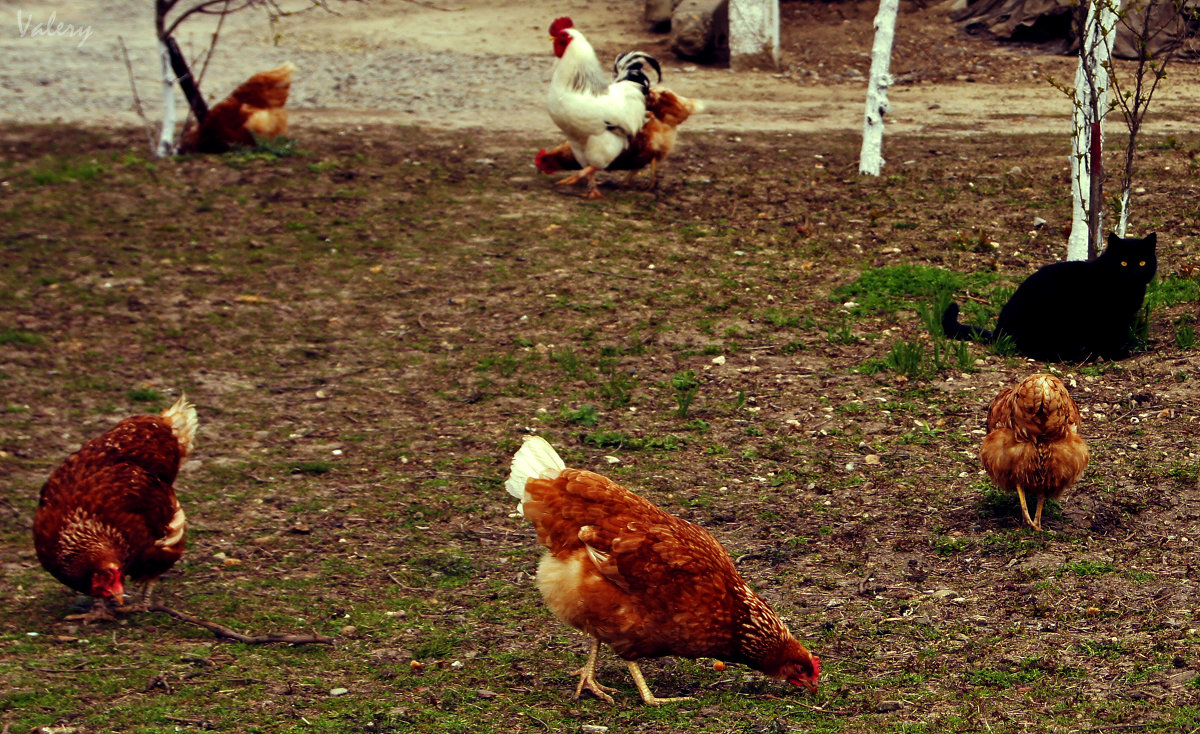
x,y
137,101
224,632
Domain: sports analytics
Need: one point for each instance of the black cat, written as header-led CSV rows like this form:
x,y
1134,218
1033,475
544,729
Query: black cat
x,y
1074,311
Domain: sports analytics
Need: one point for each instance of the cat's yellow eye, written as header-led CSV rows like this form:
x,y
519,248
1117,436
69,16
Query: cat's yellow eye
x,y
1142,264
1124,264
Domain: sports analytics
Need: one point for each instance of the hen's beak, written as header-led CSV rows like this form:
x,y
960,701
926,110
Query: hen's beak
x,y
809,685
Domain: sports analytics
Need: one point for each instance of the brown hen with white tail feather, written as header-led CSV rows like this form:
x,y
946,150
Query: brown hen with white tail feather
x,y
110,510
644,582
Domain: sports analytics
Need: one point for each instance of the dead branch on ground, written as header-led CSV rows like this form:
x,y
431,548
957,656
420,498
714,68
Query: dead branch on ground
x,y
224,632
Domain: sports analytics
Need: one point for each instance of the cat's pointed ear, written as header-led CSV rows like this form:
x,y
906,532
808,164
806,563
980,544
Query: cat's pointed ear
x,y
1151,239
1113,239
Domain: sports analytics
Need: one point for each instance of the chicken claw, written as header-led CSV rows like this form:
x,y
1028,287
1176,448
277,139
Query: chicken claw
x,y
647,697
1035,524
101,611
587,676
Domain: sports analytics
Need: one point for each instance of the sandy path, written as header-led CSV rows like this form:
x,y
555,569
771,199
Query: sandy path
x,y
484,64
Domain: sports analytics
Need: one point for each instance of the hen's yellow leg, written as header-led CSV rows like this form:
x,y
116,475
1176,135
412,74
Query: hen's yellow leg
x,y
143,603
587,675
1025,508
648,697
592,192
577,177
1037,517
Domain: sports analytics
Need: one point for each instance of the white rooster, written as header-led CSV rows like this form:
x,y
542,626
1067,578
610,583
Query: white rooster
x,y
599,116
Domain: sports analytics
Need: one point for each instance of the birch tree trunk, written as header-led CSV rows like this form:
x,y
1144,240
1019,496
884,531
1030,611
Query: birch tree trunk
x,y
753,34
1087,122
166,136
870,160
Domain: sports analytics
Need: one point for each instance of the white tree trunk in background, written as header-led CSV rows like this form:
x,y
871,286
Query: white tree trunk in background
x,y
166,137
1087,121
753,34
871,158
1123,220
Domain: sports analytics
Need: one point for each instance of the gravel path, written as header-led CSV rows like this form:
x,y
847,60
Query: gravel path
x,y
478,64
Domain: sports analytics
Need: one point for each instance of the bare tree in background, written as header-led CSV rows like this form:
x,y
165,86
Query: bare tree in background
x,y
1165,25
168,16
1090,97
870,159
1157,30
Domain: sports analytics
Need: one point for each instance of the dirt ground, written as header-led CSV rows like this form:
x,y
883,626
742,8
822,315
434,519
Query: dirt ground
x,y
370,321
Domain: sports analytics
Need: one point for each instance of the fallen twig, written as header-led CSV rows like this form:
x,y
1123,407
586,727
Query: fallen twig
x,y
227,633
201,723
431,6
612,274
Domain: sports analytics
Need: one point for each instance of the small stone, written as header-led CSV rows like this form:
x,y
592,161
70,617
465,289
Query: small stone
x,y
592,729
484,693
338,691
886,706
349,631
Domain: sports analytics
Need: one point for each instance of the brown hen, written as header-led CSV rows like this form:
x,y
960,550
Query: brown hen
x,y
110,510
665,111
254,111
1033,445
642,581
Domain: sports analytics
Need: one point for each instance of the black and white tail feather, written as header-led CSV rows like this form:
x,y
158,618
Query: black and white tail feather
x,y
631,67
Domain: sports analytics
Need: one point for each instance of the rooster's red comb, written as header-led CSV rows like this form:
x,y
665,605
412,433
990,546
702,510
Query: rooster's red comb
x,y
560,24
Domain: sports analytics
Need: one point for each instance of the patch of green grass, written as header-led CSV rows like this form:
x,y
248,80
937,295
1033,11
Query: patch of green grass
x,y
686,386
840,331
145,395
894,287
1107,649
1171,291
505,364
311,467
9,335
617,440
1185,336
947,546
65,171
571,364
1000,678
585,415
1086,568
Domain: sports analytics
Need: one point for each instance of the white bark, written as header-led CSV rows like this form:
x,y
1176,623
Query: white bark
x,y
870,160
753,34
1090,78
166,136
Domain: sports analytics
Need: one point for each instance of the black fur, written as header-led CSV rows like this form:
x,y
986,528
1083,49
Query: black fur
x,y
1073,311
